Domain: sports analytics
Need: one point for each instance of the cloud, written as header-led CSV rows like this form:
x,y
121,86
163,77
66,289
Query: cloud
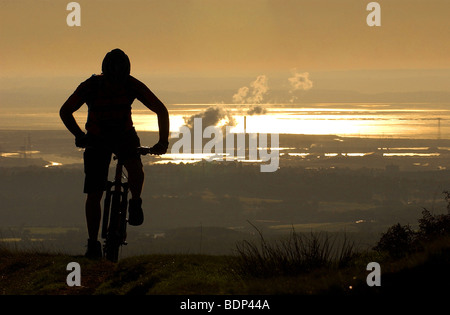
x,y
253,95
256,110
212,116
241,95
299,82
259,89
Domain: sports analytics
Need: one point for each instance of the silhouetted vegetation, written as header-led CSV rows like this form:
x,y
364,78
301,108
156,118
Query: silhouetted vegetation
x,y
397,241
299,253
401,240
303,253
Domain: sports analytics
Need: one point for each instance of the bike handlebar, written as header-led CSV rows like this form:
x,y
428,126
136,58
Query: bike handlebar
x,y
142,151
145,151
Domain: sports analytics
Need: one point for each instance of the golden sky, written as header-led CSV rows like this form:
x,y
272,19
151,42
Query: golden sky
x,y
233,36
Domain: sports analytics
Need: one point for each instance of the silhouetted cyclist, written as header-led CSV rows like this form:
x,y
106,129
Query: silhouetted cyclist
x,y
110,130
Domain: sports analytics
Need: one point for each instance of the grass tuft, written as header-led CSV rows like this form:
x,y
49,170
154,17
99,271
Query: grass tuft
x,y
299,253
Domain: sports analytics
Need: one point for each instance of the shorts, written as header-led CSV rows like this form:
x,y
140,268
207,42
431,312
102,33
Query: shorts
x,y
98,153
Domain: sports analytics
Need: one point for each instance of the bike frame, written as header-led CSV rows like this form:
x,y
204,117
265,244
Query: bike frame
x,y
114,214
114,227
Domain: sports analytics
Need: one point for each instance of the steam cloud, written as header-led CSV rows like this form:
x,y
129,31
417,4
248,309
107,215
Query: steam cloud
x,y
256,110
212,116
253,95
299,81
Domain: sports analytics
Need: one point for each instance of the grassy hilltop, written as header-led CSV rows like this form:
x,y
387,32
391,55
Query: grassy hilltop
x,y
411,262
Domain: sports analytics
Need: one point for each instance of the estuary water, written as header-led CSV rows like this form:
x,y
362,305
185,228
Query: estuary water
x,y
380,120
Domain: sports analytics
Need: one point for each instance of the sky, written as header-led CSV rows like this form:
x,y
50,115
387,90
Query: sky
x,y
191,45
185,36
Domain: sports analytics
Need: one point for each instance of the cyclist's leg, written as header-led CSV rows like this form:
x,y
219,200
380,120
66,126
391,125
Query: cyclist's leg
x,y
93,213
135,183
127,150
135,177
96,166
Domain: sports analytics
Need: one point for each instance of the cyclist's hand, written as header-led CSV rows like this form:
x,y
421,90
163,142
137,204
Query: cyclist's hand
x,y
81,141
159,148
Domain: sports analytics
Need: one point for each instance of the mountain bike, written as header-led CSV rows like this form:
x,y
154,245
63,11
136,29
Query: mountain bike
x,y
114,226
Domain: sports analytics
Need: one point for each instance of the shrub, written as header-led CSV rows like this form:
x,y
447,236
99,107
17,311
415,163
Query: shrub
x,y
401,240
433,226
398,241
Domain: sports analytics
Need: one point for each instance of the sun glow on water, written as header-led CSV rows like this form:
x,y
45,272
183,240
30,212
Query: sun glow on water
x,y
376,120
365,120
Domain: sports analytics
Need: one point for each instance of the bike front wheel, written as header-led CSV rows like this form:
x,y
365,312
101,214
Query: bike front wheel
x,y
116,230
111,248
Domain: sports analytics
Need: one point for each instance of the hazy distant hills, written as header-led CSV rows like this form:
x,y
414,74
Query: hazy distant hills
x,y
312,96
396,86
36,101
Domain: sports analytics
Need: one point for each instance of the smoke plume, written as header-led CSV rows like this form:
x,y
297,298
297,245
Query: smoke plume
x,y
212,116
299,82
253,95
256,110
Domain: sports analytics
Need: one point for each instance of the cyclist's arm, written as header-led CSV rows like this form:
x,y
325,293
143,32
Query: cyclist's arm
x,y
146,97
73,103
